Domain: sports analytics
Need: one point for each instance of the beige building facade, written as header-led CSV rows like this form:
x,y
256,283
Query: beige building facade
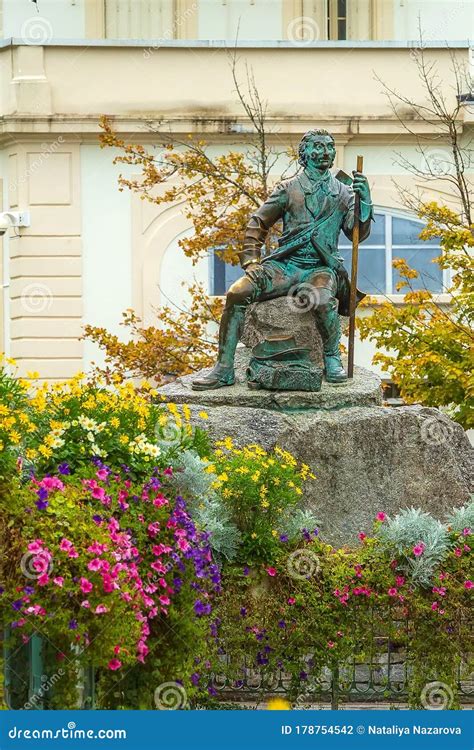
x,y
91,251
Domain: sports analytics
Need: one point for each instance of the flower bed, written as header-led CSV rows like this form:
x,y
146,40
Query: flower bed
x,y
134,546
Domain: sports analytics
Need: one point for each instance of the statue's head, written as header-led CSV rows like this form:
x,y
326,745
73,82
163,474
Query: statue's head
x,y
317,146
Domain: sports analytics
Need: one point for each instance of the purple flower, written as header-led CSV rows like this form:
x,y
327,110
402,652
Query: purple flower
x,y
29,590
1,589
246,570
195,677
243,612
72,625
212,691
201,609
17,605
303,675
64,468
283,537
41,504
282,624
97,519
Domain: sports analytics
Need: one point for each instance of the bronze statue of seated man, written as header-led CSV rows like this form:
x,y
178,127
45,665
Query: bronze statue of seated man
x,y
314,206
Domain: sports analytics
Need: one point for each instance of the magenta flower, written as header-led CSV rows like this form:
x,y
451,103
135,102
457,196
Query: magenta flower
x,y
291,600
43,579
58,581
114,664
86,585
101,609
392,592
466,532
458,551
418,549
65,545
362,536
381,516
434,606
271,571
468,585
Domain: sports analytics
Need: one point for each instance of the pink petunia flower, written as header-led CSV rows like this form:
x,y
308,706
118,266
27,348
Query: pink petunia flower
x,y
86,585
65,545
43,579
434,606
36,546
392,591
95,564
466,532
468,585
331,644
418,549
458,551
101,609
114,664
381,516
271,571
59,580
399,580
85,604
291,600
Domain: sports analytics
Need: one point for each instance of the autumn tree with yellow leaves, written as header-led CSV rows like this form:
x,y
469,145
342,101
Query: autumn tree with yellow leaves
x,y
428,346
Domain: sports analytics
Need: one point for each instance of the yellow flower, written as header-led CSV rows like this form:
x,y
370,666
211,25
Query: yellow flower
x,y
115,422
274,532
278,704
298,491
204,415
255,477
46,452
186,412
265,504
223,477
163,420
253,535
124,439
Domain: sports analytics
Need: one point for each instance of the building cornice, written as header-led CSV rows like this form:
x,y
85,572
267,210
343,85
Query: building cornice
x,y
229,44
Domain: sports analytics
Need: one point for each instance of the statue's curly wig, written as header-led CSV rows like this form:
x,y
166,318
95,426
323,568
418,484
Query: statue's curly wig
x,y
306,139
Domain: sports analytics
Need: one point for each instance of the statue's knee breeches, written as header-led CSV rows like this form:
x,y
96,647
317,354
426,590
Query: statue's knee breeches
x,y
242,292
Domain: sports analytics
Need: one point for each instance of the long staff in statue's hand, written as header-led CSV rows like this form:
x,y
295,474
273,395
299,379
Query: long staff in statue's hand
x,y
355,261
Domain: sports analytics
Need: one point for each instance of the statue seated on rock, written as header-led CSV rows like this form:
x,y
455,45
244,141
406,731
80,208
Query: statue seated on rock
x,y
314,206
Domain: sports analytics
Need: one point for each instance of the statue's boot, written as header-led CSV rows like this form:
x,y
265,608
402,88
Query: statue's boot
x,y
222,373
330,328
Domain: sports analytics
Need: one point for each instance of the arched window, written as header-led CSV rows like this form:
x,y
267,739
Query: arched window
x,y
393,235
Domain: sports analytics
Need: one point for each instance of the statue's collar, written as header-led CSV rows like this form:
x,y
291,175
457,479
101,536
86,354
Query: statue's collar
x,y
310,183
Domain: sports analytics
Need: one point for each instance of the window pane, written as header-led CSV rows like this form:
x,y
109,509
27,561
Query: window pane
x,y
223,275
406,232
371,271
341,28
341,8
430,274
377,233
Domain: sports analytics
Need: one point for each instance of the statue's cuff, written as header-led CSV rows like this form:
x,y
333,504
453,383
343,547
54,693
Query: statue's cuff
x,y
366,210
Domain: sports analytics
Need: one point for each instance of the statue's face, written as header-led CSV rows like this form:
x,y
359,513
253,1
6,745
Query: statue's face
x,y
321,152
